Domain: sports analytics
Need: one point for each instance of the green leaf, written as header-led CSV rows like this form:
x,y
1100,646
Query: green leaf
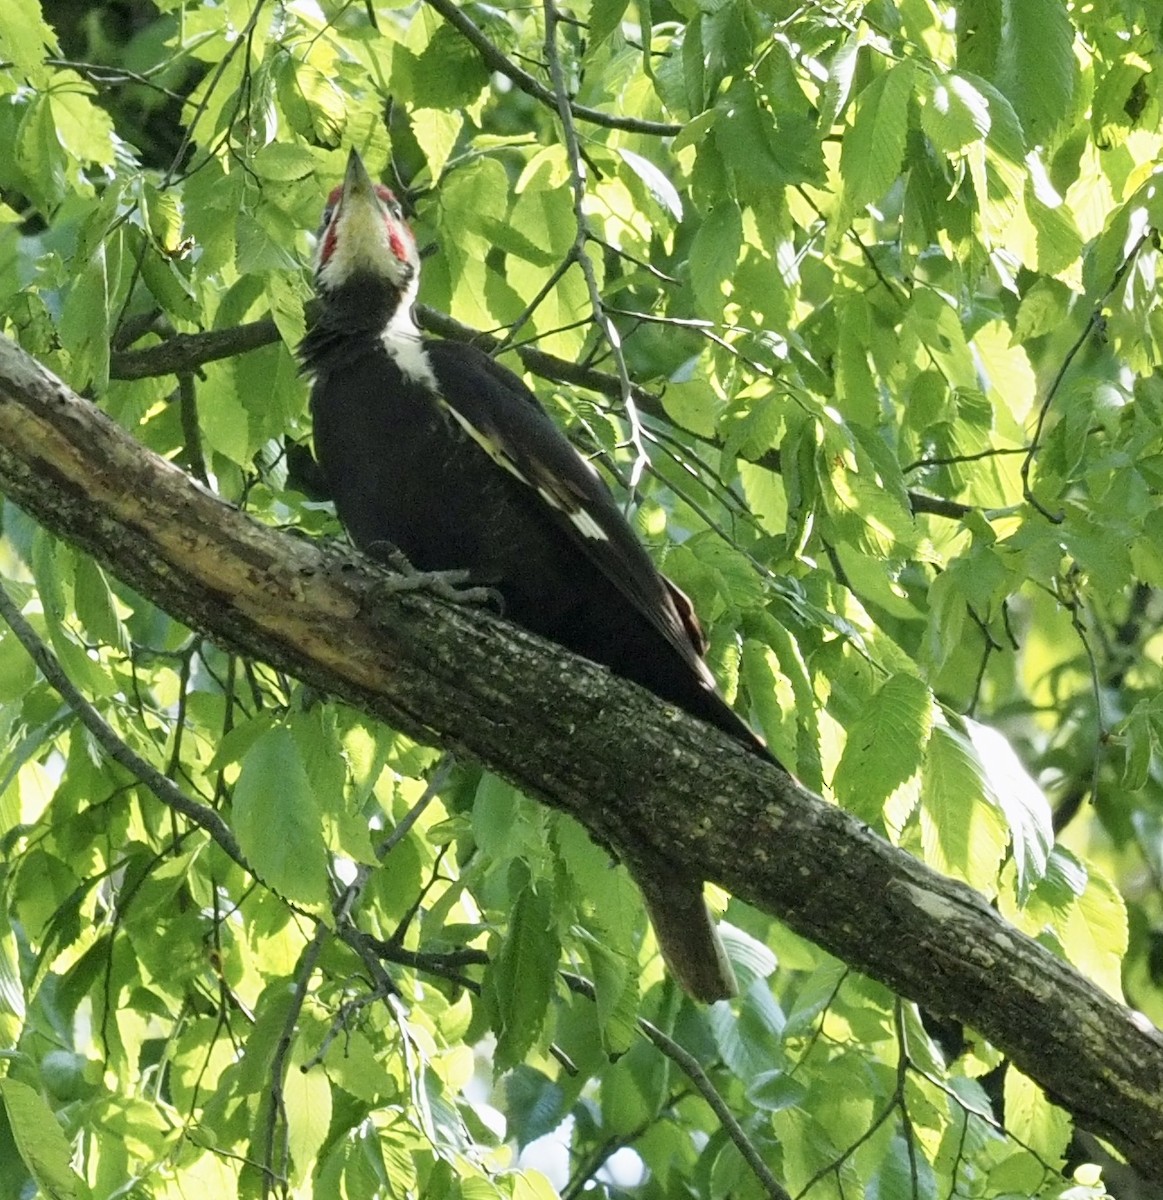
x,y
40,1142
714,253
277,820
962,832
284,162
659,186
605,17
307,1105
870,160
841,72
1033,1121
693,405
745,1038
314,107
1036,66
523,975
953,112
96,607
536,1105
885,748
84,323
1025,806
25,37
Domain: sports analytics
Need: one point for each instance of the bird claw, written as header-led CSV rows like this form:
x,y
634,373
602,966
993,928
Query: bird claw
x,y
446,585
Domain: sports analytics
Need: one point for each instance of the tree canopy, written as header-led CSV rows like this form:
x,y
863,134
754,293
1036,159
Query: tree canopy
x,y
857,306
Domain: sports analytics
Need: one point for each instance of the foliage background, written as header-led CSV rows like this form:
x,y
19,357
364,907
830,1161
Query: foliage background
x,y
886,275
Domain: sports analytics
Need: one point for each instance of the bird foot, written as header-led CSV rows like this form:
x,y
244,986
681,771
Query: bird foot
x,y
446,585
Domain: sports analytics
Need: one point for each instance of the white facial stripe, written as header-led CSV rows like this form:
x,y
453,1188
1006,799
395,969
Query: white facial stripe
x,y
361,242
402,342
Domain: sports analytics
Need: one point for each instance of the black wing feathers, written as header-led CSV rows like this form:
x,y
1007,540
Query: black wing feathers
x,y
496,403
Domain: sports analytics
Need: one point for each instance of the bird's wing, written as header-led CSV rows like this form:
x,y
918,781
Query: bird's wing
x,y
503,416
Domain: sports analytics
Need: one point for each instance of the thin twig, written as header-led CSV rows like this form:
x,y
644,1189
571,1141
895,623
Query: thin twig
x,y
577,179
277,1109
146,773
455,15
187,351
691,1067
1092,323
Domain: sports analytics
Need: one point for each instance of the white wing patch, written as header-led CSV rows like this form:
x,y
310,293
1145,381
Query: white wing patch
x,y
581,519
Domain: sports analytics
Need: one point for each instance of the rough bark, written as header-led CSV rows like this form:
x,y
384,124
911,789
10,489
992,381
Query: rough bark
x,y
555,726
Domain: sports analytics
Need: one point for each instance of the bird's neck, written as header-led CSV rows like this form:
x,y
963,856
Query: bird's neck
x,y
363,311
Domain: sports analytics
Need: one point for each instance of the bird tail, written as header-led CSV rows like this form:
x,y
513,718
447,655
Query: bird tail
x,y
686,934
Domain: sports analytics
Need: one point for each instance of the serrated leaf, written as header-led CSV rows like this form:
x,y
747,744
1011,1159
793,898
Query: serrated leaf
x,y
875,145
752,959
284,162
954,113
885,747
1033,1121
605,17
663,191
25,36
841,72
693,405
307,1107
84,325
615,981
221,416
312,103
1025,806
536,1105
745,1037
277,820
95,606
523,975
962,832
1036,66
39,1140
774,1091
436,131
714,253
1094,933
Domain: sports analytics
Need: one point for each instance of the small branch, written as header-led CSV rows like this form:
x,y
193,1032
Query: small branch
x,y
577,179
1092,323
146,773
188,351
690,1066
455,15
678,789
276,1109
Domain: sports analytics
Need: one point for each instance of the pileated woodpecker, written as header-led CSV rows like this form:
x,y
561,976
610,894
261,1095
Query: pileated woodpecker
x,y
433,448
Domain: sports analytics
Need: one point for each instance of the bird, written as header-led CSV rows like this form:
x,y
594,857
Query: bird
x,y
432,449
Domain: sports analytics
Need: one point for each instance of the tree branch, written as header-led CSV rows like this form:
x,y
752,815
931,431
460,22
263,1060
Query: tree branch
x,y
554,725
185,352
455,15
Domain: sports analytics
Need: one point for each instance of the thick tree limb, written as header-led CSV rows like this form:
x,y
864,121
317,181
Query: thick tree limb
x,y
554,725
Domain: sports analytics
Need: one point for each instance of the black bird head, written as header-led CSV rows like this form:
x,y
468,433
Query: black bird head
x,y
367,267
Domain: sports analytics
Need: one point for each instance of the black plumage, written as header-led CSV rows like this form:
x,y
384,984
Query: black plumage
x,y
433,448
